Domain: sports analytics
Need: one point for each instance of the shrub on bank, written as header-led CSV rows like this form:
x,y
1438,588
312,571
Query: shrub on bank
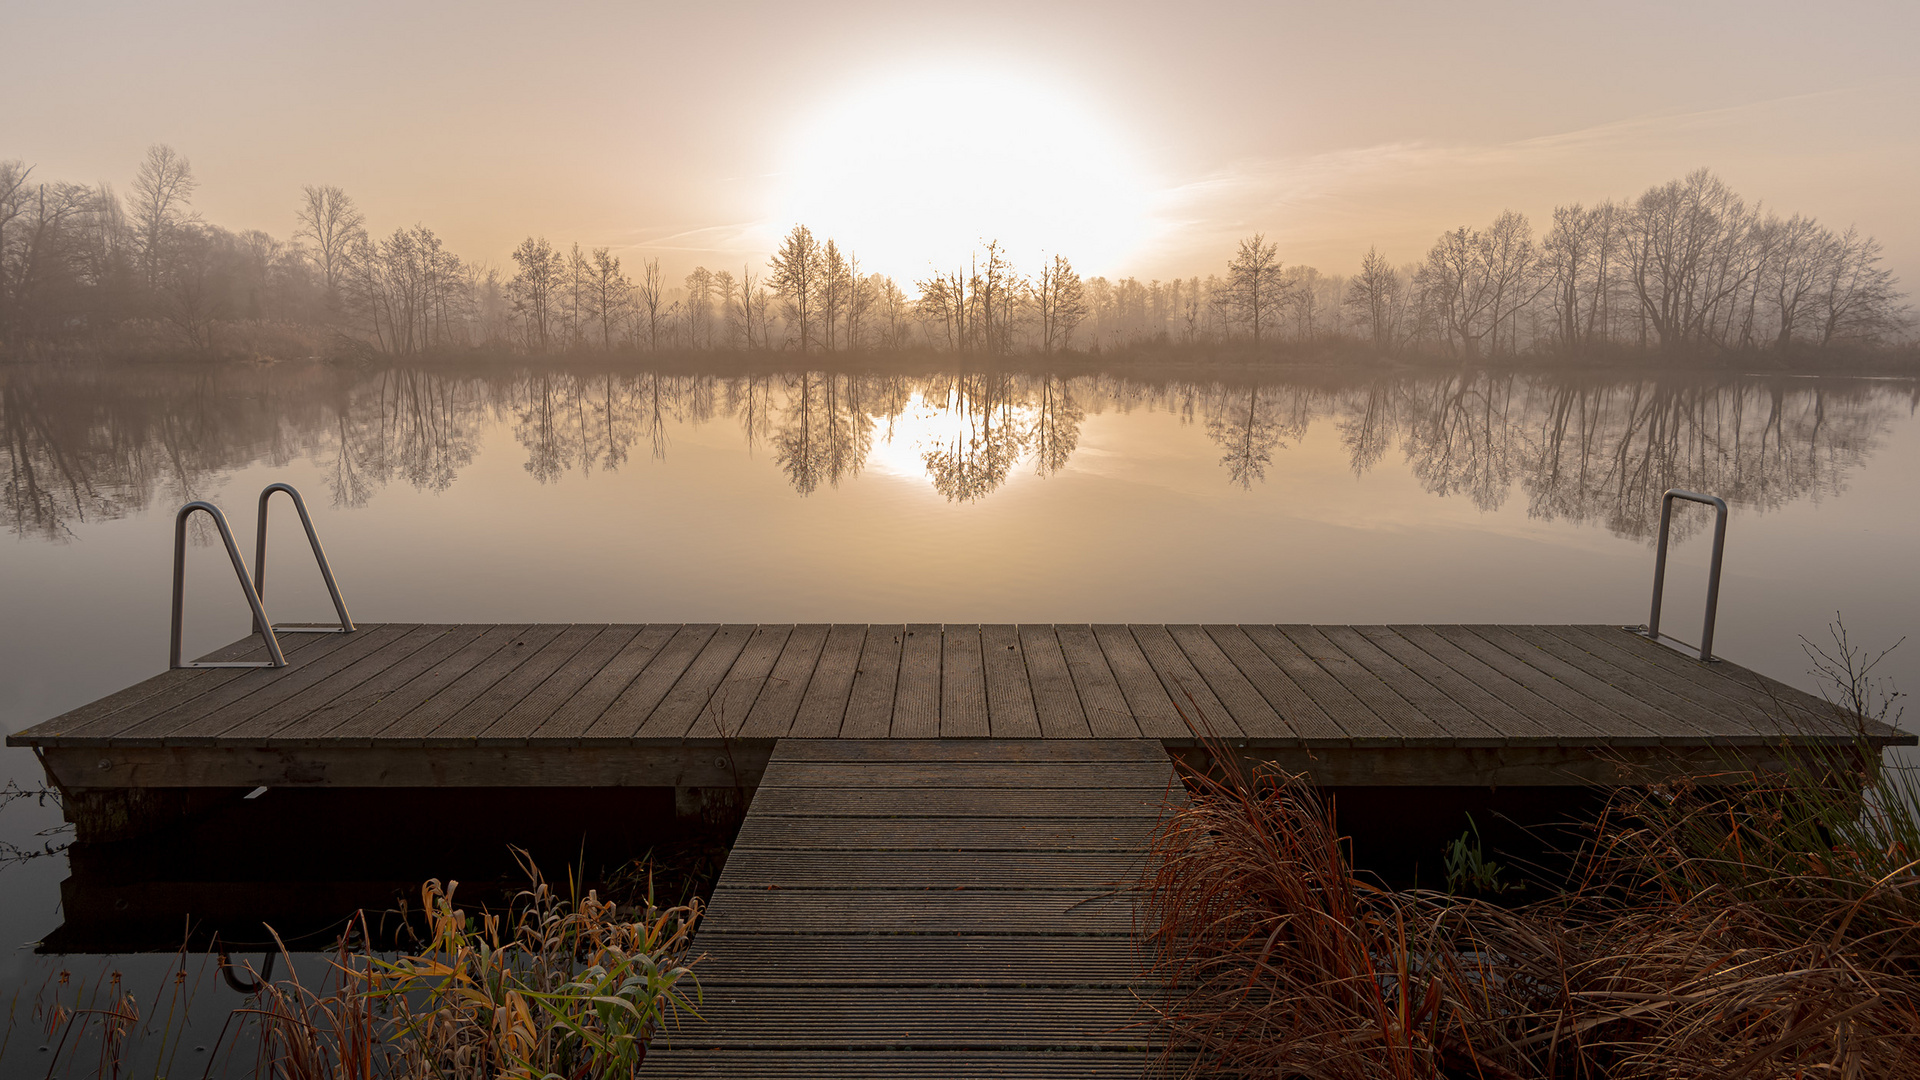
x,y
550,988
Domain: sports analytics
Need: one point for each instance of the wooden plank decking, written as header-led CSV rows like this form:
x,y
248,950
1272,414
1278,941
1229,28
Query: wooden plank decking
x,y
965,916
701,705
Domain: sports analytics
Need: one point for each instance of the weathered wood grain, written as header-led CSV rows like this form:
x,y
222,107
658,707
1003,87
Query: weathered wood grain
x,y
916,701
1056,703
555,690
977,923
1147,699
1101,699
424,719
779,700
825,703
870,702
726,712
626,714
1356,721
683,705
391,689
506,693
574,718
1010,707
963,685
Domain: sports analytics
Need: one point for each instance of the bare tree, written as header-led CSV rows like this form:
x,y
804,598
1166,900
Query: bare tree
x,y
1375,296
699,309
995,288
835,279
723,290
14,262
330,220
1304,300
542,273
892,309
190,289
1857,298
796,277
577,301
1256,285
1577,261
1689,249
748,285
1060,301
1512,273
943,302
162,204
1455,284
859,299
611,290
652,295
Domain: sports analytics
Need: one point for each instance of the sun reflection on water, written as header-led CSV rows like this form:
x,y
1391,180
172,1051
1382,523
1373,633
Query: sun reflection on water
x,y
960,447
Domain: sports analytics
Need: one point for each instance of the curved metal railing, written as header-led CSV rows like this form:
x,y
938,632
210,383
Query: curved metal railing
x,y
1713,571
252,585
319,556
261,623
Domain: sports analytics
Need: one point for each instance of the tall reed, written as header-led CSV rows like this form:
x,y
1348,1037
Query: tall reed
x,y
1277,960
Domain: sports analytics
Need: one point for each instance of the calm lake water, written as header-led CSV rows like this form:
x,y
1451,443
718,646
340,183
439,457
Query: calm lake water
x,y
581,494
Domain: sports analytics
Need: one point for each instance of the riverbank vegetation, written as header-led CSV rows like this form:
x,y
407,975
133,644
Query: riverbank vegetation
x,y
1688,273
1749,923
550,985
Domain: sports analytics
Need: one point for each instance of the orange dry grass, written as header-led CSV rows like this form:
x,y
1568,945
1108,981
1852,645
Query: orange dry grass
x,y
1278,961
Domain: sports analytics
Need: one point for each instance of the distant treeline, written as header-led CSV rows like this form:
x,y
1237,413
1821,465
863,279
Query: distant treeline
x,y
1686,269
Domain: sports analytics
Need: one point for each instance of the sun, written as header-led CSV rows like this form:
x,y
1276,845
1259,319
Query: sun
x,y
915,169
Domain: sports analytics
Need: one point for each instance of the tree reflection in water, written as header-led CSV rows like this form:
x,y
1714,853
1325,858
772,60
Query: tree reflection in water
x,y
80,444
984,438
824,432
1250,424
1057,416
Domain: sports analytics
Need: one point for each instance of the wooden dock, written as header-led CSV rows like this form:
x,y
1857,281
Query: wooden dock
x,y
925,883
929,908
700,706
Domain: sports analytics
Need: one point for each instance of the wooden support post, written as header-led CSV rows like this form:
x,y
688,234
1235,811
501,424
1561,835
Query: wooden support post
x,y
710,805
99,815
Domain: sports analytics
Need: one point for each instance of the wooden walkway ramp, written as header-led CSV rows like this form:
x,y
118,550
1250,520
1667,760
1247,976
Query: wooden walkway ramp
x,y
929,908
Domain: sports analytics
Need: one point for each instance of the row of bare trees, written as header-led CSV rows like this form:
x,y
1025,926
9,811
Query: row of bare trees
x,y
1687,267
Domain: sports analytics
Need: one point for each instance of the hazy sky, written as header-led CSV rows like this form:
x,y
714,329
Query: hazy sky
x,y
1137,138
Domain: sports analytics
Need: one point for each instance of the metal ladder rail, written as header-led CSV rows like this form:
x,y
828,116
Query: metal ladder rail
x,y
1713,571
319,556
261,623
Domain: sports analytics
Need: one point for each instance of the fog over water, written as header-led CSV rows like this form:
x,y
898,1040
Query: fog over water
x,y
585,492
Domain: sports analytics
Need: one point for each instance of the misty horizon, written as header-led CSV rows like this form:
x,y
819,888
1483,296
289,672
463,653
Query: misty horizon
x,y
1686,265
690,136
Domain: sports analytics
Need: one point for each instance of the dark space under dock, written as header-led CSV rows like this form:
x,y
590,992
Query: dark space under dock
x,y
941,816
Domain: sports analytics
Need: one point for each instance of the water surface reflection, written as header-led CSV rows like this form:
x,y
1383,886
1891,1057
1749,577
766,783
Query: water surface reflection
x,y
100,443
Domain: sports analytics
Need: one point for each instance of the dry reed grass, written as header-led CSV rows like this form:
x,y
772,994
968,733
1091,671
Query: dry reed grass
x,y
1758,926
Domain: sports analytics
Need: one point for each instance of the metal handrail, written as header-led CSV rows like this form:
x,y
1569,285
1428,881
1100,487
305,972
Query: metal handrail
x,y
319,556
1713,571
260,621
